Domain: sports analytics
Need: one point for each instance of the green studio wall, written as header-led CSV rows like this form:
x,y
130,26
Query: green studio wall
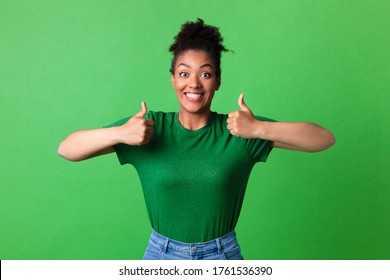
x,y
69,65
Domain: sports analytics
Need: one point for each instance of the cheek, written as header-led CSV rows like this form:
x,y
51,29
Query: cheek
x,y
178,85
213,86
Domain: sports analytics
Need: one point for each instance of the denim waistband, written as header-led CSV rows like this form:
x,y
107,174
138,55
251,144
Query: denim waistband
x,y
215,245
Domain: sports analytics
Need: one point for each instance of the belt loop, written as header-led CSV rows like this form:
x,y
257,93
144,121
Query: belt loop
x,y
218,241
166,245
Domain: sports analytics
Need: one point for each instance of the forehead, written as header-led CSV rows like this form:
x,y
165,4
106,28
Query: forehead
x,y
194,58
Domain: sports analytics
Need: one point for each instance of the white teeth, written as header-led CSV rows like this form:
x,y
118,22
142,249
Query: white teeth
x,y
193,95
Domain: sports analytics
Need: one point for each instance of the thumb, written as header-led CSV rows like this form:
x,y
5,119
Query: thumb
x,y
242,104
143,111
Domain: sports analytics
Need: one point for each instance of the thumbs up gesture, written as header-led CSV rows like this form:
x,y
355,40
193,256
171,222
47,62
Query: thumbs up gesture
x,y
137,130
242,123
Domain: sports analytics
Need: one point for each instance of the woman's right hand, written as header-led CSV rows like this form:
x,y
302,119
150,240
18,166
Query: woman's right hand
x,y
85,144
137,130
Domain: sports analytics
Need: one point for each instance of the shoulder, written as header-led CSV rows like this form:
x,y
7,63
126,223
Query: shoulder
x,y
224,117
159,115
219,117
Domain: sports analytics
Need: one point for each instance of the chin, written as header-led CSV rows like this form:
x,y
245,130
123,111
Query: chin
x,y
196,111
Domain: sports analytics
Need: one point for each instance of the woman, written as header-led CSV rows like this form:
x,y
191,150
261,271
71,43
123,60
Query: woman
x,y
194,165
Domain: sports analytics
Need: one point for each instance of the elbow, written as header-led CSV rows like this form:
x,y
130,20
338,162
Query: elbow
x,y
331,139
328,141
65,152
61,150
325,140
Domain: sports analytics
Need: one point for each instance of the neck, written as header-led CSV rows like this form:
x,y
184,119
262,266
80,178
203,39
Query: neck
x,y
194,121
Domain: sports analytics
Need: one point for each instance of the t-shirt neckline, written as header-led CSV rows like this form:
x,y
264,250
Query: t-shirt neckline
x,y
184,130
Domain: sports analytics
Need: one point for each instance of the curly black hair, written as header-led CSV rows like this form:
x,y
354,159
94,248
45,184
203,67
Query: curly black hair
x,y
198,36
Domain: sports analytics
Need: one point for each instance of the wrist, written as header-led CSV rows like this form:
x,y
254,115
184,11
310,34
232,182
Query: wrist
x,y
260,130
115,135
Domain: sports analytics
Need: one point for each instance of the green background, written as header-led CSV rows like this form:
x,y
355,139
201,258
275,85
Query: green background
x,y
69,65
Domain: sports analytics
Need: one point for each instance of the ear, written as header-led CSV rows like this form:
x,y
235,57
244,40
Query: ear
x,y
218,83
173,80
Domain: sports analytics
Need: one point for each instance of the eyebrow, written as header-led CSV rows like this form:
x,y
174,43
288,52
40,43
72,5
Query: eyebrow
x,y
204,65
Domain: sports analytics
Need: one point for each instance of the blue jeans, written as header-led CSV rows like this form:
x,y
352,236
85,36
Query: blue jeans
x,y
222,248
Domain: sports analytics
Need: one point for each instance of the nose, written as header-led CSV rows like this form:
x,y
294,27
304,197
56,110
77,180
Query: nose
x,y
194,82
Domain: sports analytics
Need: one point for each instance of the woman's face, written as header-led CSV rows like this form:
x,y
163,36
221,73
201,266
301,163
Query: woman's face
x,y
195,81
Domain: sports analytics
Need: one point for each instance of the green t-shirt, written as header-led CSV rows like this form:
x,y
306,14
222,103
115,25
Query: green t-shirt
x,y
193,181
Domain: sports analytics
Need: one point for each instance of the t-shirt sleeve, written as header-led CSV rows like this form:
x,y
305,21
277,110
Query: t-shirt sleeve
x,y
122,150
128,153
259,149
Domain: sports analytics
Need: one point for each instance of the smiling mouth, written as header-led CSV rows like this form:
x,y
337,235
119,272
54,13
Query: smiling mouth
x,y
194,96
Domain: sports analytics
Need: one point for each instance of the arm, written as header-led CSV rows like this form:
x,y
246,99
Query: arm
x,y
300,136
85,144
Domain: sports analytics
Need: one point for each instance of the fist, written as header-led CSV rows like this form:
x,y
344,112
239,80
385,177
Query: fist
x,y
137,130
242,123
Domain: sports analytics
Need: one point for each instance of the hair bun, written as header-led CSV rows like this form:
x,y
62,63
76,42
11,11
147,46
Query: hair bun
x,y
198,36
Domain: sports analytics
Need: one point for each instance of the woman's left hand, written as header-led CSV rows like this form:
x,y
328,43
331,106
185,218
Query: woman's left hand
x,y
242,123
300,136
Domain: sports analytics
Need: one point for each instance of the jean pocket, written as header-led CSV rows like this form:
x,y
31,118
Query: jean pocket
x,y
233,255
232,251
153,252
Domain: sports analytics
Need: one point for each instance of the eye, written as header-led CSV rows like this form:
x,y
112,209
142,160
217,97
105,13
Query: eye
x,y
183,74
205,75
